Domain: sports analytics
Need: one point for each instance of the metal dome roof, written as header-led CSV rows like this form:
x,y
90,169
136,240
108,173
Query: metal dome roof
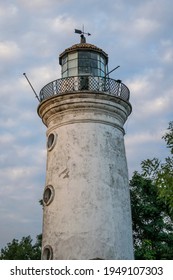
x,y
83,46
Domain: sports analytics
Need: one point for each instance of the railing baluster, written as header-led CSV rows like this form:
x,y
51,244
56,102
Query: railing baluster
x,y
85,83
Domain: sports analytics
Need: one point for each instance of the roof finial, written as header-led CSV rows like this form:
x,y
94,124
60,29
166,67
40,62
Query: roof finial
x,y
83,39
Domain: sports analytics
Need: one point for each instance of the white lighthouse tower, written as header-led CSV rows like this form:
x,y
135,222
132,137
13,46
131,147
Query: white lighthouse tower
x,y
86,199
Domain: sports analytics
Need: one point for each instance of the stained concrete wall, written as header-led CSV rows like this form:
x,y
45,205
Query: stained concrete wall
x,y
89,216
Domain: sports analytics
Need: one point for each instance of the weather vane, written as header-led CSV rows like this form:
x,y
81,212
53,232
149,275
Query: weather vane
x,y
81,32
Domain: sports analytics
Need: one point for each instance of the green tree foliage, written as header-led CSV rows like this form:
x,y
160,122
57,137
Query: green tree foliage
x,y
152,206
152,224
161,173
22,250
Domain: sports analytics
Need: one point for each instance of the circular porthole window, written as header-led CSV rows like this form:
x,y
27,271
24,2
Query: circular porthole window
x,y
47,253
48,195
51,141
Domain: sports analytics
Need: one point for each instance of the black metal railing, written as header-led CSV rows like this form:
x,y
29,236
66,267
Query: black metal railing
x,y
85,83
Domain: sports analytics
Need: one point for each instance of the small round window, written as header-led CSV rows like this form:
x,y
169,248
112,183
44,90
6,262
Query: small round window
x,y
47,253
48,195
51,141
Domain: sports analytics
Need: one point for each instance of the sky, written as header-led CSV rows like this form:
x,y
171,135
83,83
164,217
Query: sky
x,y
136,34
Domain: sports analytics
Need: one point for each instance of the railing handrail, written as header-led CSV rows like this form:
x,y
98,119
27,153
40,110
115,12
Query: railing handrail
x,y
85,83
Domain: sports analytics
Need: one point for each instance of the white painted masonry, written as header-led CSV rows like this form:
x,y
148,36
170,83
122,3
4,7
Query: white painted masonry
x,y
89,213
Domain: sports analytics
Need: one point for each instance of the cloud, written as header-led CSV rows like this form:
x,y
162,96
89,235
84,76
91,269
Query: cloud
x,y
168,56
44,74
7,11
40,5
9,50
62,23
157,106
166,52
145,27
16,174
6,139
149,101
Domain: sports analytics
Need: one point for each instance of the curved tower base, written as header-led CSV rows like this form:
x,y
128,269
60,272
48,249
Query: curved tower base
x,y
87,211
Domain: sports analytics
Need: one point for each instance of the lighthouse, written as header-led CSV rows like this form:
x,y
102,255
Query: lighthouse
x,y
86,201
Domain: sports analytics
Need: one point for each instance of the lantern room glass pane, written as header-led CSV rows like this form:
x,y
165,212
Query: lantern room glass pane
x,y
64,59
64,67
102,67
84,54
64,74
102,74
95,72
94,55
72,63
72,72
72,56
102,59
94,63
84,63
84,70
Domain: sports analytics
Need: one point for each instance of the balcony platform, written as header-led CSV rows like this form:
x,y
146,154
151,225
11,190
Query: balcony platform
x,y
85,83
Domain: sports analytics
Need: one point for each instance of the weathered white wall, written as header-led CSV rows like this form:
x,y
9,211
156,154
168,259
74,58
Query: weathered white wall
x,y
89,216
